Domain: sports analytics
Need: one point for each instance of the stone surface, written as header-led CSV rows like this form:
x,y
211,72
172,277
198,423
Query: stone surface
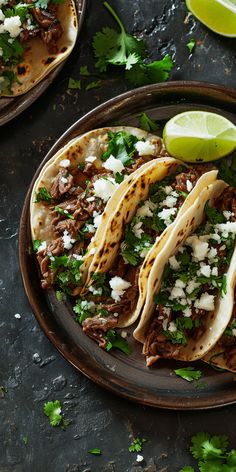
x,y
31,370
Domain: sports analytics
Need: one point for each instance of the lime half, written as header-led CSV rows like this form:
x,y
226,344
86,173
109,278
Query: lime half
x,y
218,15
196,136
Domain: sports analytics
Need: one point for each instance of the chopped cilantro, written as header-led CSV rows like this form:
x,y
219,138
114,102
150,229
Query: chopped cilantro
x,y
136,445
122,49
81,166
70,275
191,45
83,310
213,215
12,52
44,3
96,451
146,123
115,340
99,281
25,440
227,170
84,71
201,385
94,84
43,195
74,84
229,330
53,411
59,261
3,390
36,244
119,177
132,247
188,373
63,212
211,454
121,146
60,296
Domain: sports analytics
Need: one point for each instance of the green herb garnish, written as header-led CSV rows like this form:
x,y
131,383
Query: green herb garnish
x,y
114,340
53,411
191,45
146,123
74,84
94,84
36,244
63,212
188,373
137,445
43,195
96,451
121,146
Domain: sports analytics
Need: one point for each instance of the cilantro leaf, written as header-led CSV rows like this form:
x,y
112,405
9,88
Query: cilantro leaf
x,y
136,445
12,53
146,123
53,411
115,340
156,71
213,215
96,451
191,45
119,177
187,468
227,171
63,212
188,373
74,84
84,71
121,146
43,195
25,440
204,447
93,85
36,244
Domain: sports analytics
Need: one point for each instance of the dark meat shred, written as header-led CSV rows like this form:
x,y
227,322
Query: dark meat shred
x,y
192,175
97,327
227,201
50,28
157,346
59,187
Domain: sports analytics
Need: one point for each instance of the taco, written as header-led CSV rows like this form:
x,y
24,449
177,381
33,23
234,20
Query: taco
x,y
190,295
109,298
75,194
35,37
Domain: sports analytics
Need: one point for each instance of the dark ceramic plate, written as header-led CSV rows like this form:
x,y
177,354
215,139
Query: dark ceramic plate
x,y
127,375
10,107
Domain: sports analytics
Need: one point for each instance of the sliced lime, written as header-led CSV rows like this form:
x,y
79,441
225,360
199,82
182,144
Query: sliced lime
x,y
218,15
196,136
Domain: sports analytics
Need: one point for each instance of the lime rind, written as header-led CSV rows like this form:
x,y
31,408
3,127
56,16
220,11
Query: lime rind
x,y
218,15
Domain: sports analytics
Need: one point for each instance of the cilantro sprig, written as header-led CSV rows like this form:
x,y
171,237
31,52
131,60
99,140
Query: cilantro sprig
x,y
188,373
146,123
114,340
137,445
122,49
121,146
211,454
53,411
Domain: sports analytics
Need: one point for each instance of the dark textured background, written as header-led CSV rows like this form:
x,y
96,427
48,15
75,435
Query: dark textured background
x,y
31,370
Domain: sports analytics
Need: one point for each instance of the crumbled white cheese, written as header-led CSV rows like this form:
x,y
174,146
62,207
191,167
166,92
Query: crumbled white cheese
x,y
234,332
189,185
90,199
104,188
177,292
113,164
146,209
174,263
123,334
216,237
170,201
164,324
118,286
64,180
172,327
68,241
139,458
12,25
212,253
227,214
78,257
192,285
90,158
95,291
42,246
180,284
200,248
168,189
206,302
214,271
88,305
145,148
2,16
17,316
166,311
89,228
166,215
137,229
64,163
205,270
97,218
187,312
229,227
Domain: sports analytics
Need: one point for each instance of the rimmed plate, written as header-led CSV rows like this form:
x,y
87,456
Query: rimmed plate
x,y
128,376
10,107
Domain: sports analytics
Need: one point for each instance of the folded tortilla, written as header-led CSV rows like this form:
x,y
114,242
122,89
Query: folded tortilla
x,y
161,331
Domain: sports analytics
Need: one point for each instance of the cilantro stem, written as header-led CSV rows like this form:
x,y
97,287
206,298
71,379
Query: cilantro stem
x,y
113,13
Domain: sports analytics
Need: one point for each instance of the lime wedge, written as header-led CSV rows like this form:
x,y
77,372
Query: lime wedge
x,y
218,15
196,136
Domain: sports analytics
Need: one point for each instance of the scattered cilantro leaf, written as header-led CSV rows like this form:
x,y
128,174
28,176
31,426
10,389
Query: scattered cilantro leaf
x,y
146,123
227,171
44,3
156,71
213,215
60,296
206,447
119,177
191,45
36,244
43,195
137,445
121,146
201,385
74,84
187,468
3,390
188,373
53,411
96,451
84,71
93,85
115,340
25,440
63,212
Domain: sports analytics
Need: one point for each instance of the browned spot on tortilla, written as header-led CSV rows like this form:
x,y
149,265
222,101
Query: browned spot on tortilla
x,y
49,60
178,242
22,70
143,185
192,221
95,264
152,261
113,225
201,347
127,196
106,250
194,349
118,213
127,214
113,244
64,49
180,233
